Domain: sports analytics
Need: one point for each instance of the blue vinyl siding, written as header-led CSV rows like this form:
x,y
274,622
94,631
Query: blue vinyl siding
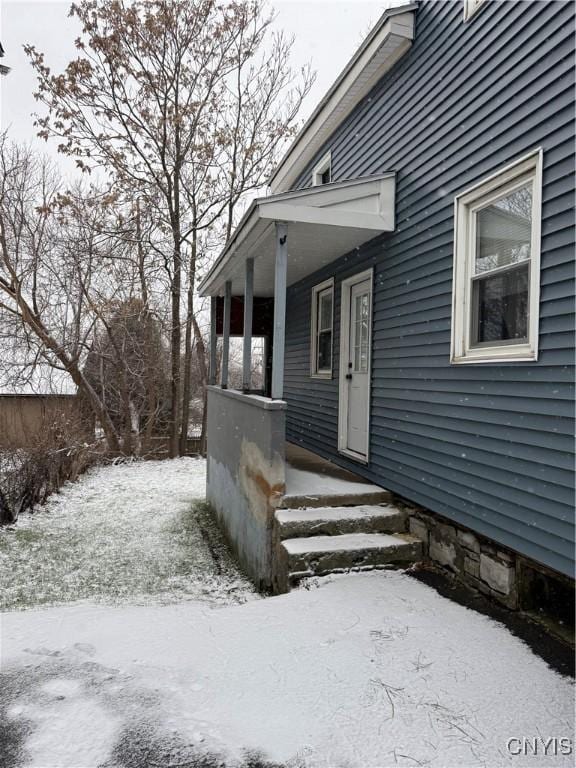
x,y
490,446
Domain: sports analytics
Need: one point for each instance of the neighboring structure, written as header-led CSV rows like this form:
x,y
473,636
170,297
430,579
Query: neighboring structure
x,y
3,68
24,417
29,403
419,247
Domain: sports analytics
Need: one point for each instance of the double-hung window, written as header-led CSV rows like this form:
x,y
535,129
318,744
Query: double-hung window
x,y
322,329
497,266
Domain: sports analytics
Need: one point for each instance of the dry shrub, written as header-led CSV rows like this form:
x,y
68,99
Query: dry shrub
x,y
40,461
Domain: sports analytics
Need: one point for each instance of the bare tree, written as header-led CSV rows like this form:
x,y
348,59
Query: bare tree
x,y
184,102
135,392
72,275
35,281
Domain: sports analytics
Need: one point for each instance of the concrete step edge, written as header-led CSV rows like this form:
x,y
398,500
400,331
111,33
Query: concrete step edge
x,y
307,501
333,521
295,577
357,512
348,542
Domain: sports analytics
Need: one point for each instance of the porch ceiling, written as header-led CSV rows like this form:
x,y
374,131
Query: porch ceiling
x,y
324,223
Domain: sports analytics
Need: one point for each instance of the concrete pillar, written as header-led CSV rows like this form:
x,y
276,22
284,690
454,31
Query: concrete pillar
x,y
226,335
248,303
213,340
280,279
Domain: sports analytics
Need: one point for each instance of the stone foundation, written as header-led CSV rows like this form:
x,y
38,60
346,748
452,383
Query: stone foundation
x,y
500,574
479,562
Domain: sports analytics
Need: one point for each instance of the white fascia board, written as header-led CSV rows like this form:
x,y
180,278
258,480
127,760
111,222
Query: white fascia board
x,y
305,214
387,43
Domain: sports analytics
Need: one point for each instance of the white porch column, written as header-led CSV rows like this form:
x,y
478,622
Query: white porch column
x,y
280,278
247,348
213,340
226,335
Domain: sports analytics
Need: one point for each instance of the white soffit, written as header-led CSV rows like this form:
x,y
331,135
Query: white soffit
x,y
388,41
324,223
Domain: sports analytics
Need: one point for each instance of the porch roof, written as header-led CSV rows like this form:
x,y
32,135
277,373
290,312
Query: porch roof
x,y
324,222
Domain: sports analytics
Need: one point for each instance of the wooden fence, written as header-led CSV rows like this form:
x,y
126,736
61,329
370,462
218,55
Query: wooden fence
x,y
24,416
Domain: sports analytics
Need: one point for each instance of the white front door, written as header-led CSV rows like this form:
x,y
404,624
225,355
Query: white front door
x,y
355,365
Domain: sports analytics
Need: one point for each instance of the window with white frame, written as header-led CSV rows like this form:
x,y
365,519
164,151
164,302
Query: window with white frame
x,y
322,329
496,285
471,6
322,173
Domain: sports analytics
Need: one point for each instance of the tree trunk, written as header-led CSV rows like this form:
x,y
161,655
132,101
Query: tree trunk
x,y
141,258
176,288
187,381
175,354
98,409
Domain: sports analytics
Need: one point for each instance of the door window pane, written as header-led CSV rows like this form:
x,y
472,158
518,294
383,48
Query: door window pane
x,y
360,337
357,334
503,231
500,305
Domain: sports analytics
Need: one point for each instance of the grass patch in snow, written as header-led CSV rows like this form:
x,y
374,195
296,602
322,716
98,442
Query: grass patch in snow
x,y
136,531
27,536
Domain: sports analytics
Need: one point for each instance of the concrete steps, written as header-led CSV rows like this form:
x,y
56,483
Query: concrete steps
x,y
316,541
320,555
333,521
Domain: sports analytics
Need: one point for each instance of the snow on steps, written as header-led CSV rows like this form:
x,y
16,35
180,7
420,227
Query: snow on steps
x,y
307,489
343,526
370,494
332,521
319,555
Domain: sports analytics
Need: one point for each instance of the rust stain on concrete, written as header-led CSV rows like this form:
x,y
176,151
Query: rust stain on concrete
x,y
262,481
271,491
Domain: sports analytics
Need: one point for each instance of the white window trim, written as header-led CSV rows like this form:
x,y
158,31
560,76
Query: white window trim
x,y
493,187
321,167
317,289
471,7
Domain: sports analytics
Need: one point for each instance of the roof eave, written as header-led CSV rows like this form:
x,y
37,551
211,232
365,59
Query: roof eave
x,y
341,98
278,208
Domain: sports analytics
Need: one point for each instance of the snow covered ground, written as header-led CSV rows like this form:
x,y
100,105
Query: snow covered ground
x,y
362,671
125,532
185,668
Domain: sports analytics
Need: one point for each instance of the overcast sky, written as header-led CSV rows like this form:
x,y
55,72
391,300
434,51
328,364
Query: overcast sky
x,y
327,33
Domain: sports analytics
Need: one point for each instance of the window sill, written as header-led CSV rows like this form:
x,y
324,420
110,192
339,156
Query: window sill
x,y
321,375
516,354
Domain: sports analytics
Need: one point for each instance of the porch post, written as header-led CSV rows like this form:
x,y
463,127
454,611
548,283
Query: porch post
x,y
213,340
280,276
226,335
247,349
